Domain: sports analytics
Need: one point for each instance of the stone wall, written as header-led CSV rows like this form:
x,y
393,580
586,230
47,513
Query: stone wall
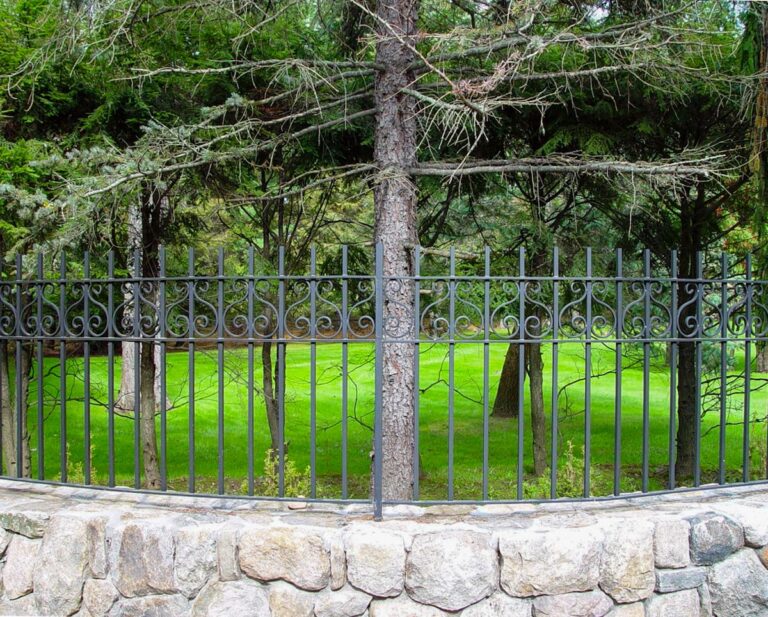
x,y
94,553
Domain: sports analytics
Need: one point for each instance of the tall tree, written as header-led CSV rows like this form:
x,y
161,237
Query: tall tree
x,y
425,89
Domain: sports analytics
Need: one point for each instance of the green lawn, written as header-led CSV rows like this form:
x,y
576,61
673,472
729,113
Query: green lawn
x,y
468,417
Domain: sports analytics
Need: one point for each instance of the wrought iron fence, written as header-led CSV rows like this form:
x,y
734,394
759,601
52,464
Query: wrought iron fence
x,y
649,372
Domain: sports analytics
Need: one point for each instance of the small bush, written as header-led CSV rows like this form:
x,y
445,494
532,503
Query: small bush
x,y
76,469
297,481
570,479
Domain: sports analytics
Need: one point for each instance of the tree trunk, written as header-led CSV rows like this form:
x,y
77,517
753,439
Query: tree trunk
x,y
8,416
507,401
691,220
148,438
137,240
125,401
761,359
538,417
270,385
687,412
395,229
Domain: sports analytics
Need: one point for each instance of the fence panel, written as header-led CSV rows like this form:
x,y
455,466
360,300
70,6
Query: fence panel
x,y
246,378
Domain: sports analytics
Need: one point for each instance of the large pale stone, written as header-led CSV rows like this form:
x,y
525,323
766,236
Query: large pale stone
x,y
713,538
285,600
627,563
151,606
451,569
403,606
677,580
23,606
588,604
550,562
20,564
29,522
706,601
62,566
679,604
753,519
739,586
292,554
196,558
99,596
375,561
242,598
670,543
5,539
345,602
141,559
226,552
499,605
636,609
338,561
97,546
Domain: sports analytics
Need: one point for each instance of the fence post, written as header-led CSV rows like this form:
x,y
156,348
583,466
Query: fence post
x,y
379,381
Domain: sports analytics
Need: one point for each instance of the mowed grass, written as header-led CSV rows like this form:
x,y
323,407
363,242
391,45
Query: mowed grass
x,y
433,420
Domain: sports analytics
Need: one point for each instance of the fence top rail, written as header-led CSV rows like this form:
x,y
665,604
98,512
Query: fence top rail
x,y
118,280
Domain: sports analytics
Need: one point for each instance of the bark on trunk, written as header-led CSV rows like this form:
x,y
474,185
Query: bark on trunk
x,y
148,438
687,412
761,359
137,240
125,401
538,417
692,217
395,228
507,400
9,420
270,386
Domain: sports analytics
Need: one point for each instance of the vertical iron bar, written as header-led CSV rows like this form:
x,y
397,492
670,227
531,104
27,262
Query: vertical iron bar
x,y
344,370
377,432
646,367
161,323
191,367
250,333
745,463
486,366
555,352
312,374
86,368
220,371
618,366
723,365
136,369
17,373
673,374
699,367
416,369
521,379
451,366
281,332
40,371
111,368
588,379
63,366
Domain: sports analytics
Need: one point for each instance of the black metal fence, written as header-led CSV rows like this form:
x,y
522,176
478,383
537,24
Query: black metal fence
x,y
267,383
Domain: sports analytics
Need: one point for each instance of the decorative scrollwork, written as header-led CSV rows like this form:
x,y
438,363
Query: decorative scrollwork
x,y
361,297
572,317
398,314
505,316
538,311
